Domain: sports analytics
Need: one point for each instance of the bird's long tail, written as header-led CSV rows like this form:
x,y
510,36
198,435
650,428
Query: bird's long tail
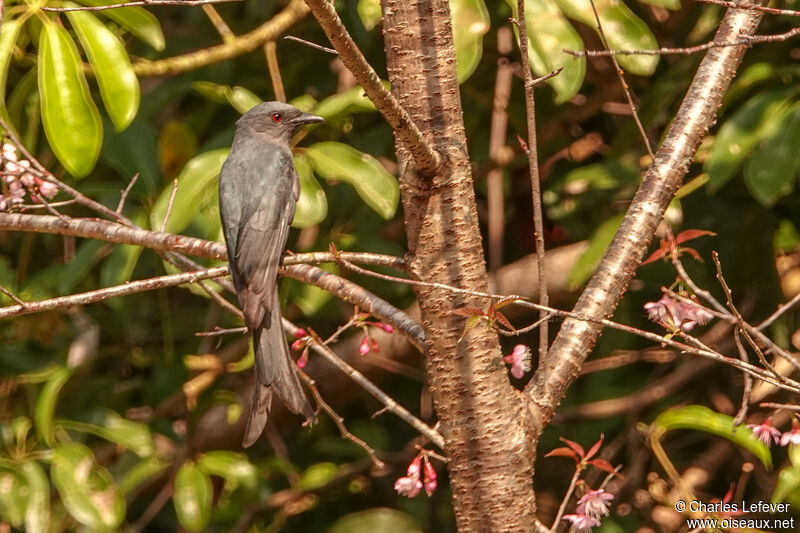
x,y
275,373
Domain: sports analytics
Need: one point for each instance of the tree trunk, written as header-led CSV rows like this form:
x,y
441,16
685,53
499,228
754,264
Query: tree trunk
x,y
482,416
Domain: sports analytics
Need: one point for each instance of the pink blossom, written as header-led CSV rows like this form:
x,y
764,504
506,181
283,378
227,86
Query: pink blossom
x,y
364,348
430,478
520,360
408,486
674,314
582,523
790,437
298,345
595,503
300,333
765,432
9,152
302,361
387,328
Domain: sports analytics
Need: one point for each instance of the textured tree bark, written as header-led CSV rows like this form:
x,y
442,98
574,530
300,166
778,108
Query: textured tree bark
x,y
482,416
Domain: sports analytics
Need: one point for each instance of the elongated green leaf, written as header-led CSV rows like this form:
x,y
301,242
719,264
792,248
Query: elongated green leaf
x,y
470,24
107,424
71,120
788,484
112,67
337,161
13,495
769,173
350,101
137,20
46,404
598,244
8,37
702,418
192,496
622,28
87,490
242,100
140,472
312,206
742,131
197,187
369,11
318,475
549,32
37,513
231,466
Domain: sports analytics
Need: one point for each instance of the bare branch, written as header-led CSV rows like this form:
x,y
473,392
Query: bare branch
x,y
124,195
778,312
169,204
754,7
138,3
425,157
312,45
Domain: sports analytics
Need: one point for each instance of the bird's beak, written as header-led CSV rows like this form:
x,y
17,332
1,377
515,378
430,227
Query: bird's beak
x,y
307,118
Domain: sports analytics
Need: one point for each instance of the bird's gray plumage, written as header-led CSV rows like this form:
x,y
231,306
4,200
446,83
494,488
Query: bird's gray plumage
x,y
258,190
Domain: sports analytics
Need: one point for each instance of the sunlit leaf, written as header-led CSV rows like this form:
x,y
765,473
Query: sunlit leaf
x,y
377,519
37,513
46,404
192,496
70,118
312,206
231,466
119,86
702,418
769,173
317,475
622,28
337,161
598,244
351,101
742,131
137,20
87,490
13,495
369,11
788,484
107,424
243,99
549,33
470,24
8,37
197,187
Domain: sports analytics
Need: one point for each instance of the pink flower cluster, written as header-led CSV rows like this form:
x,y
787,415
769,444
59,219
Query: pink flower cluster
x,y
520,360
368,343
769,434
301,343
415,480
677,314
591,507
17,180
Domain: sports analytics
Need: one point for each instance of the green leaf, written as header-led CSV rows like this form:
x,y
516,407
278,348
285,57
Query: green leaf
x,y
369,11
788,484
137,20
197,188
23,92
14,500
470,22
37,513
46,404
337,161
598,244
741,132
71,120
192,496
351,101
107,424
769,173
702,418
377,519
111,64
622,28
231,466
312,206
549,33
599,176
140,472
317,475
243,100
8,37
87,490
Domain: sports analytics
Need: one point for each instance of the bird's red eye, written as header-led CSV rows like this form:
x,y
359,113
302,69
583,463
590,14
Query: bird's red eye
x,y
276,117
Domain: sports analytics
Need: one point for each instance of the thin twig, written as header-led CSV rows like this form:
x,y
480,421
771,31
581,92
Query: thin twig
x,y
773,405
33,207
687,50
124,194
169,204
339,421
426,158
702,293
271,52
748,381
138,3
312,45
752,7
532,152
219,23
778,312
220,331
11,295
563,507
389,403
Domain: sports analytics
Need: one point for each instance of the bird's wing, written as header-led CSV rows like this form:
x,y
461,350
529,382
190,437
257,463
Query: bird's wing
x,y
266,205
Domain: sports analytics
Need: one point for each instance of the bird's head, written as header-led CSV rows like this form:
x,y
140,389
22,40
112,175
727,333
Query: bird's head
x,y
276,120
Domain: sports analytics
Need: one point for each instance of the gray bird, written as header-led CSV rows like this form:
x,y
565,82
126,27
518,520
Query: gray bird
x,y
258,189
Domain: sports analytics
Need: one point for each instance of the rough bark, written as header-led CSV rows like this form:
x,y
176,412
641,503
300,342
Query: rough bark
x,y
481,415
